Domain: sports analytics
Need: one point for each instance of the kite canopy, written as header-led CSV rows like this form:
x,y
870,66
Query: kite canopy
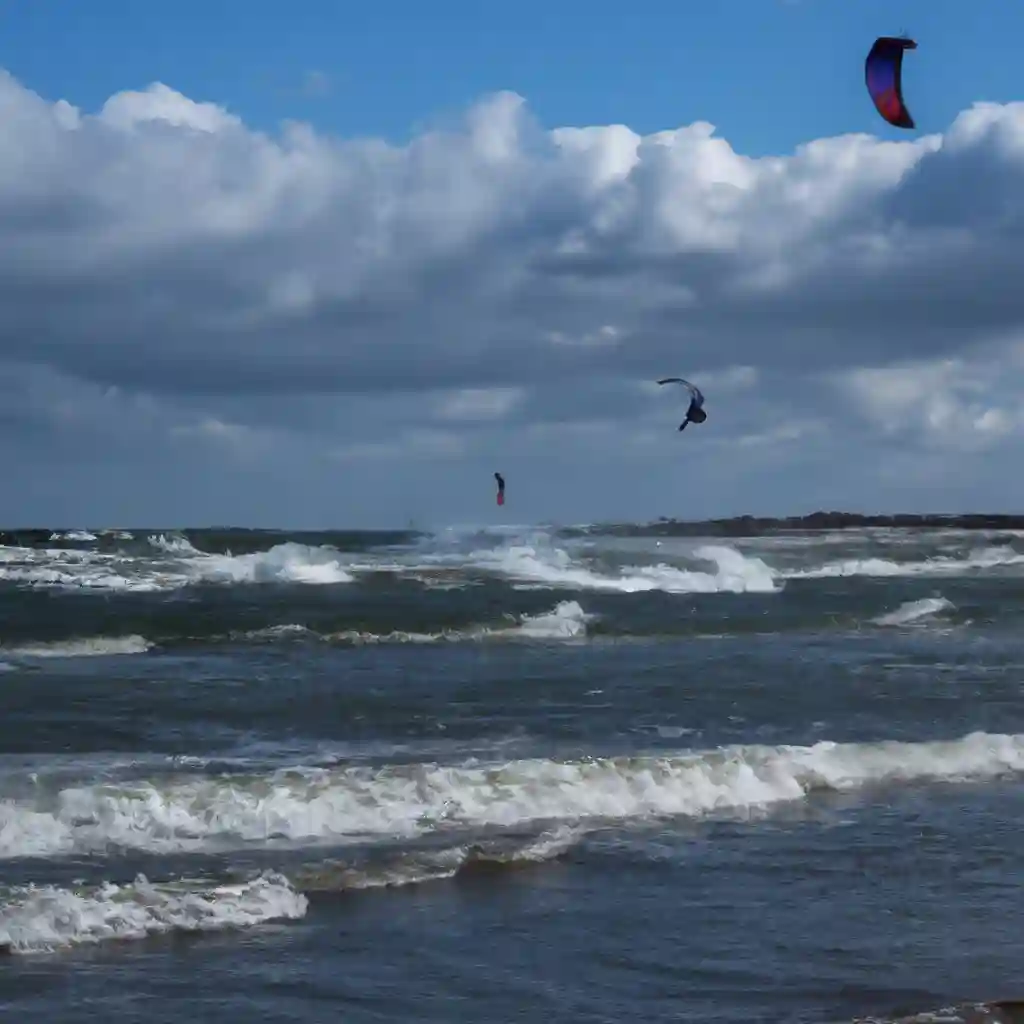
x,y
883,73
694,390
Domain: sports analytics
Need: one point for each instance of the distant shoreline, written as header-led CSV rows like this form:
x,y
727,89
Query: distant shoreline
x,y
753,526
734,526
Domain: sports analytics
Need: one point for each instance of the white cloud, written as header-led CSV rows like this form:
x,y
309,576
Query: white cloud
x,y
953,403
173,280
475,404
415,443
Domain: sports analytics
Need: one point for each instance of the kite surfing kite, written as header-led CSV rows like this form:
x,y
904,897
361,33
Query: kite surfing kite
x,y
695,413
501,488
883,73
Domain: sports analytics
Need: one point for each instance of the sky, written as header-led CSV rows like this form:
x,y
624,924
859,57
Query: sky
x,y
332,265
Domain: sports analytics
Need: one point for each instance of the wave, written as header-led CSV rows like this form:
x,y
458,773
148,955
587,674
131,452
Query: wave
x,y
914,611
396,868
339,805
284,563
449,819
555,567
937,565
37,919
567,620
1004,1011
75,535
522,558
80,647
182,565
43,919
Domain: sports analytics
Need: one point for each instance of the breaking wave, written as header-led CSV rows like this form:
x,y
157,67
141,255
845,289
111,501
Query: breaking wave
x,y
83,647
175,563
567,620
915,611
523,558
304,805
414,867
933,565
46,918
555,567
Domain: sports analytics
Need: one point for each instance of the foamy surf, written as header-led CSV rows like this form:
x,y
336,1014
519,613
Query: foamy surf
x,y
1003,1011
565,751
86,570
181,566
174,545
936,565
915,611
566,621
338,805
414,867
287,563
554,567
44,919
82,647
520,558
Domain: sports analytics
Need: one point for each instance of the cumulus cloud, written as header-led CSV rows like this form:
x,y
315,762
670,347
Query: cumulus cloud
x,y
370,321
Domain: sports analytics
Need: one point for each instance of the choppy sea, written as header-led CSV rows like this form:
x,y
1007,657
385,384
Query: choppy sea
x,y
517,775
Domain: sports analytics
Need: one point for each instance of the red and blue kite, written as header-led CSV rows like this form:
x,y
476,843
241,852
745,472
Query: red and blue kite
x,y
883,73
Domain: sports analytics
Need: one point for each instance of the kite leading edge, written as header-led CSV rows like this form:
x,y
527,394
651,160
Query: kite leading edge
x,y
883,73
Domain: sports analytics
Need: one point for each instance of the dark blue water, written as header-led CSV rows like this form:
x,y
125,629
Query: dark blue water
x,y
510,776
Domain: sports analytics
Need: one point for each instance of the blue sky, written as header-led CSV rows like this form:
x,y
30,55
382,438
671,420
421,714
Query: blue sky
x,y
768,73
210,318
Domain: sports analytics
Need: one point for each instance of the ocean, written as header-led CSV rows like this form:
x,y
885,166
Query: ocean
x,y
527,774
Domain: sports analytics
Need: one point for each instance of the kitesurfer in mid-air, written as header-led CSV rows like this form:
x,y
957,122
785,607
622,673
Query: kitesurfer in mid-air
x,y
501,488
695,412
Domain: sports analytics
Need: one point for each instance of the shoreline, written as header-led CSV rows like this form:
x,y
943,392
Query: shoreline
x,y
732,526
753,526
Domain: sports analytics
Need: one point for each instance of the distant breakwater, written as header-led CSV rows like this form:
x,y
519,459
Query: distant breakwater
x,y
754,526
